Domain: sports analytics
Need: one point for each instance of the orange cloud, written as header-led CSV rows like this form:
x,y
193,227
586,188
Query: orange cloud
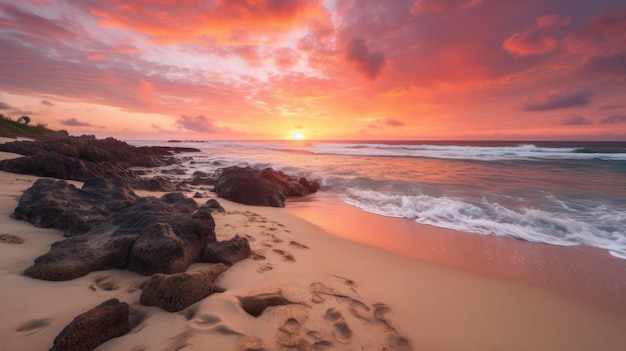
x,y
542,38
236,21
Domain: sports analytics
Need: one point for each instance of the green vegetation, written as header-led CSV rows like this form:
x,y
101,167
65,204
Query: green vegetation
x,y
20,128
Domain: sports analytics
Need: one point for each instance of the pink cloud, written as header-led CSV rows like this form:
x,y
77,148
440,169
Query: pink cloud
x,y
442,5
200,123
542,38
394,122
35,25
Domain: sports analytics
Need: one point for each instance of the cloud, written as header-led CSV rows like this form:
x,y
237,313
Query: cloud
x,y
614,119
611,65
557,100
380,123
541,38
393,122
200,123
46,103
442,5
224,20
576,121
17,19
5,106
73,122
368,63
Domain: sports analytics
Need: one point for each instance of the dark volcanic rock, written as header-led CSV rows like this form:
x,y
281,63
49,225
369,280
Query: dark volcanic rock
x,y
90,329
80,158
215,206
228,252
108,225
63,167
262,188
175,292
157,183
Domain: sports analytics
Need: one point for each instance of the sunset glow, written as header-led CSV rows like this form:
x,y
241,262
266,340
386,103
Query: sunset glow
x,y
339,69
297,136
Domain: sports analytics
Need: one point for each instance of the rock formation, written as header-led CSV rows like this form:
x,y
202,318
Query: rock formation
x,y
81,158
265,187
108,226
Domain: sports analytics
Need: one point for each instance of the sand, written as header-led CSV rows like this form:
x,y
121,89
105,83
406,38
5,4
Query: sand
x,y
347,295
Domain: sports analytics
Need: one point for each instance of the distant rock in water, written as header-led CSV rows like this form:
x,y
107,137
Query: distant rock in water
x,y
265,187
109,226
84,157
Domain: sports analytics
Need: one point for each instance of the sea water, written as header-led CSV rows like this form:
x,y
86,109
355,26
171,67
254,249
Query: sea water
x,y
559,193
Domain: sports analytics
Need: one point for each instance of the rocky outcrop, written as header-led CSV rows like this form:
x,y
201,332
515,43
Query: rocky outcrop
x,y
63,167
178,291
90,329
81,158
109,226
265,187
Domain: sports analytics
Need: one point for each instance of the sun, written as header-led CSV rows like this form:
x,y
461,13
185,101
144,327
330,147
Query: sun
x,y
297,136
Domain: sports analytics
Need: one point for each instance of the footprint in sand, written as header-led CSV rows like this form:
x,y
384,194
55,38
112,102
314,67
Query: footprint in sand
x,y
297,245
288,333
264,268
258,255
290,336
31,327
250,343
341,331
287,256
211,323
105,282
11,239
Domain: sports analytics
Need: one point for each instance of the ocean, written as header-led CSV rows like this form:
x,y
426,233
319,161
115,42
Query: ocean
x,y
558,193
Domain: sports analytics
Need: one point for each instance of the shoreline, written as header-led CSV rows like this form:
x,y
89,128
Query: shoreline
x,y
581,272
381,297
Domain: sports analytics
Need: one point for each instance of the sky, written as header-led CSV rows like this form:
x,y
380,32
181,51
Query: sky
x,y
324,70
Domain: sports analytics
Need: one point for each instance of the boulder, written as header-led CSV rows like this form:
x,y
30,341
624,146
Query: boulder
x,y
215,206
178,291
265,187
228,252
108,225
90,329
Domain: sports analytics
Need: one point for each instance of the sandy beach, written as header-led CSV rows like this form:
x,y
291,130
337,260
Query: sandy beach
x,y
346,295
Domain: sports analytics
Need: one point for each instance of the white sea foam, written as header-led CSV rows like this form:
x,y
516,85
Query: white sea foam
x,y
493,219
477,153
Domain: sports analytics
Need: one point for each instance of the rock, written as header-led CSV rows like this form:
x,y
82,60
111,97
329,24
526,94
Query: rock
x,y
261,188
90,329
215,206
63,167
80,158
228,252
255,305
178,291
108,225
157,183
177,171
